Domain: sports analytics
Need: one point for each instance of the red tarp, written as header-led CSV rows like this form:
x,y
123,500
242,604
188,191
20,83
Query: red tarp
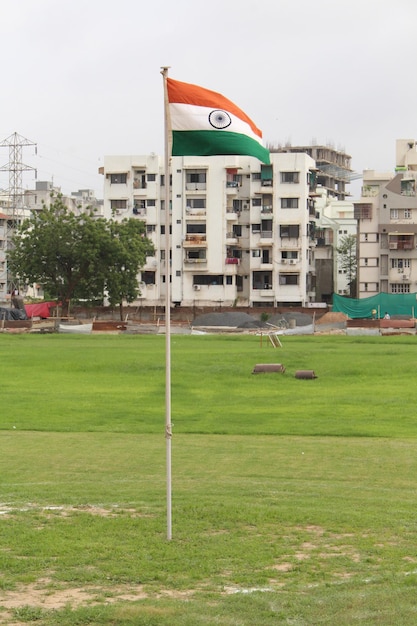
x,y
39,310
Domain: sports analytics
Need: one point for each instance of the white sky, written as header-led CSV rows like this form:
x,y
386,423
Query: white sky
x,y
81,78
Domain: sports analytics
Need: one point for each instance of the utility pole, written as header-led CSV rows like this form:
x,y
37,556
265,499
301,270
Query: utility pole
x,y
15,209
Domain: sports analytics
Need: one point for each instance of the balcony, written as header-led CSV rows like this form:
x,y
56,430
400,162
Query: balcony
x,y
231,238
195,260
232,214
232,261
195,213
192,261
404,242
266,208
232,187
266,237
195,241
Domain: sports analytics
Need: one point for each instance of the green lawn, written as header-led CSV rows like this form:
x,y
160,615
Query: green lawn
x,y
293,500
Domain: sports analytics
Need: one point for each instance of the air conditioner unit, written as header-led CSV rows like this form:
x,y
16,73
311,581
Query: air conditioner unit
x,y
292,261
404,277
284,261
196,287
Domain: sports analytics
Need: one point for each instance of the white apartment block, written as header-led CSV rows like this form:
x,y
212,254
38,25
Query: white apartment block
x,y
242,233
335,220
387,226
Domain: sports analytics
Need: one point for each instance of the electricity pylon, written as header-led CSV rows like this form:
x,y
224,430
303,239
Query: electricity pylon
x,y
14,206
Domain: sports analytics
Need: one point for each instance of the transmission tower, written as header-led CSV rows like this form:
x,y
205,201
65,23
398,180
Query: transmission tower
x,y
14,209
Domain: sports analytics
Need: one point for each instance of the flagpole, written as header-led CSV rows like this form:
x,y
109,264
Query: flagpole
x,y
168,425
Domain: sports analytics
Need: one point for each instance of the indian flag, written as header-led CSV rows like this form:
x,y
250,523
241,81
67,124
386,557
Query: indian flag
x,y
205,123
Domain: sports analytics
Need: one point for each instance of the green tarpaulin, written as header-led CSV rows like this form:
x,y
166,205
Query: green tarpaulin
x,y
392,303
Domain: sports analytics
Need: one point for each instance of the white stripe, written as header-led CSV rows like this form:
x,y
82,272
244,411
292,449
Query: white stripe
x,y
192,117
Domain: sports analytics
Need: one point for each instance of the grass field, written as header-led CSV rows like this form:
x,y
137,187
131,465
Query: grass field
x,y
293,500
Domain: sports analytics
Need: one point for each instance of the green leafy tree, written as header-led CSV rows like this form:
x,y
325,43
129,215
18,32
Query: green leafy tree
x,y
348,261
73,256
130,247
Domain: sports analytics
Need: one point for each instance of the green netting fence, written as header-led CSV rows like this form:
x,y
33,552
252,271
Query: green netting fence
x,y
376,306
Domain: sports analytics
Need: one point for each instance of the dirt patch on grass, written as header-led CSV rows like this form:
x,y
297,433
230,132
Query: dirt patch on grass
x,y
64,511
41,595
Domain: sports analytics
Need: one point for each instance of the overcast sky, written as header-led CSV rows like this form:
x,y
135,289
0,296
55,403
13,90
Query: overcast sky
x,y
81,78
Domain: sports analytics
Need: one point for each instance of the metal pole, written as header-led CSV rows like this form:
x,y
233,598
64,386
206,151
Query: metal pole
x,y
168,425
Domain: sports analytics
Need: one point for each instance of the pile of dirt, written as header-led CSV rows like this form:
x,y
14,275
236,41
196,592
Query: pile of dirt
x,y
332,318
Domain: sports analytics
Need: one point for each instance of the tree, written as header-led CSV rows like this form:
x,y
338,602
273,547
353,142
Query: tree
x,y
130,247
348,261
75,256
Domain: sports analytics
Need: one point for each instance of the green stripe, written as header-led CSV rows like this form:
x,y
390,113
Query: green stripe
x,y
213,142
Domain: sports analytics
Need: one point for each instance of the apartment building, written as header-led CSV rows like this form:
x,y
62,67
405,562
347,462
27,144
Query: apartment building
x,y
30,201
334,171
45,192
242,233
335,221
387,226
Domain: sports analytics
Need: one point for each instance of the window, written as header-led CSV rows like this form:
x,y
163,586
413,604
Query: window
x,y
150,228
196,229
151,178
195,179
266,228
266,175
163,229
289,254
256,201
407,214
256,228
290,177
393,214
233,179
400,288
291,231
150,202
237,230
196,255
148,278
262,280
400,263
204,279
118,204
139,179
196,203
288,279
256,253
362,210
118,179
289,203
229,280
